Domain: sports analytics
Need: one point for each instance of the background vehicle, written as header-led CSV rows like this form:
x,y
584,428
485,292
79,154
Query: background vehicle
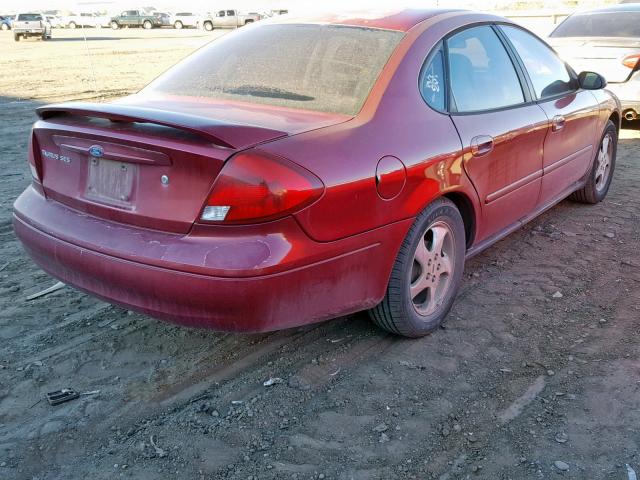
x,y
227,19
91,20
605,40
242,214
164,18
31,25
55,21
184,20
135,18
5,22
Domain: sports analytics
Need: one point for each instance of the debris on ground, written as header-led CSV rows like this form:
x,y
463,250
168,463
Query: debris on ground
x,y
272,381
159,451
47,291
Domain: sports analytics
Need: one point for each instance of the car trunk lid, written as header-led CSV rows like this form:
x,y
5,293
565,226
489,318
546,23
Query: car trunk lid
x,y
603,55
134,164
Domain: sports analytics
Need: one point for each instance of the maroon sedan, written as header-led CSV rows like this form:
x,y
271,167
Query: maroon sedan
x,y
305,168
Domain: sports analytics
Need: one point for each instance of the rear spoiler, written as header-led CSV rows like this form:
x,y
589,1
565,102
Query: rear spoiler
x,y
224,134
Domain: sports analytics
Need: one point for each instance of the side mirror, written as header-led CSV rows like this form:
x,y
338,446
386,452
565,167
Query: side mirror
x,y
591,81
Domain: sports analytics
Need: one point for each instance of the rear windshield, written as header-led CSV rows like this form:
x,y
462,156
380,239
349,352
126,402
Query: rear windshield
x,y
325,68
618,24
29,17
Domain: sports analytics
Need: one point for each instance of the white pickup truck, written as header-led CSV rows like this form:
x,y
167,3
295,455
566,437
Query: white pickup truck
x,y
227,19
31,25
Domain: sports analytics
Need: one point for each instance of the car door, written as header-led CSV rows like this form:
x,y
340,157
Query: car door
x,y
502,131
232,18
131,18
569,147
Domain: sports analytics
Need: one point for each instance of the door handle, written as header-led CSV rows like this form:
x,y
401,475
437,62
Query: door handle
x,y
481,145
557,123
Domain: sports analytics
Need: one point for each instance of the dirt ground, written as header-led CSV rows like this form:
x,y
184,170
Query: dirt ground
x,y
518,380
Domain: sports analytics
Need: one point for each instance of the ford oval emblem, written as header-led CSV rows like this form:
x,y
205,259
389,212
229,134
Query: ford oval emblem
x,y
96,151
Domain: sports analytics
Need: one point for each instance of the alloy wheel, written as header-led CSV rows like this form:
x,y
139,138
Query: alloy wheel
x,y
432,268
603,168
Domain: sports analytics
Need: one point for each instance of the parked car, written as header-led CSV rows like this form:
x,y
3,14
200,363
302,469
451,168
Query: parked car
x,y
184,20
55,21
135,18
31,25
91,20
5,22
164,18
606,40
315,167
227,19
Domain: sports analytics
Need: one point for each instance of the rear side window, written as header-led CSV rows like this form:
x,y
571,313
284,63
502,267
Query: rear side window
x,y
326,68
29,17
609,24
432,82
481,74
548,73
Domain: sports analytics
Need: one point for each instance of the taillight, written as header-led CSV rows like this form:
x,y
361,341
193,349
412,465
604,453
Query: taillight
x,y
631,61
255,187
32,150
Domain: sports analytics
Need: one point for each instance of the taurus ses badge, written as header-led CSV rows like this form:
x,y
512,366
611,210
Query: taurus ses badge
x,y
96,151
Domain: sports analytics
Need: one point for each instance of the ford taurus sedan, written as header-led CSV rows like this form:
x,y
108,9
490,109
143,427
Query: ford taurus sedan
x,y
306,168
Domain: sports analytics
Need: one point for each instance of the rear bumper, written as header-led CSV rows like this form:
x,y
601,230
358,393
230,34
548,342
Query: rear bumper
x,y
628,93
222,290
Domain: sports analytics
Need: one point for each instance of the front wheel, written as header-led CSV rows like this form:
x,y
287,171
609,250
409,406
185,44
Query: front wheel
x,y
178,25
4,26
208,26
427,273
114,25
147,25
16,37
72,25
601,172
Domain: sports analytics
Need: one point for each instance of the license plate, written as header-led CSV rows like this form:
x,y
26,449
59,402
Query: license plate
x,y
111,182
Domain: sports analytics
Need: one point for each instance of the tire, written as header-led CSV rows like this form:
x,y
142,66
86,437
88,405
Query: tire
x,y
147,25
114,25
208,26
44,37
415,316
601,173
16,37
247,22
178,25
72,25
4,26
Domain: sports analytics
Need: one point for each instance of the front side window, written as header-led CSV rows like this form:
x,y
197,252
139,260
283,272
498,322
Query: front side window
x,y
432,82
548,73
231,13
482,76
221,13
326,68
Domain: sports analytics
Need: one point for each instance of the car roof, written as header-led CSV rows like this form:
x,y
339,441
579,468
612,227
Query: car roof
x,y
618,8
388,19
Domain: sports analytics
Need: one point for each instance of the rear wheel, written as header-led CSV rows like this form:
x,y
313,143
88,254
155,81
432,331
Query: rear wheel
x,y
114,25
427,273
178,25
147,25
72,25
601,173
